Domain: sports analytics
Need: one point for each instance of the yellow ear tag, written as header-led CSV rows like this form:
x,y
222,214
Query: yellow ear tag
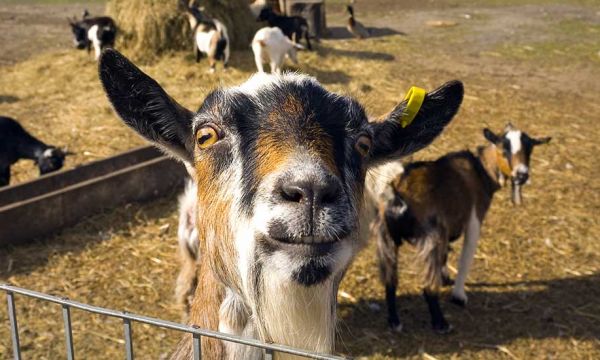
x,y
415,97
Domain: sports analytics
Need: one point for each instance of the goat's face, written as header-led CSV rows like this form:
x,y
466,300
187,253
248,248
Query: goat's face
x,y
52,159
280,164
514,148
80,35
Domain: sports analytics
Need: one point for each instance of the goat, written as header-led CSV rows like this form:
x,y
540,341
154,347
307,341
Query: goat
x,y
294,27
432,203
280,164
354,27
16,143
270,45
210,37
99,32
187,234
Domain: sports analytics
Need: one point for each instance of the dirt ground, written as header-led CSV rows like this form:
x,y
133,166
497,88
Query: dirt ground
x,y
535,284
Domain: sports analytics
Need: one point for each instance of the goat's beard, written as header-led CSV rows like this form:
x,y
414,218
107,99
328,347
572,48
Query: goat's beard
x,y
293,314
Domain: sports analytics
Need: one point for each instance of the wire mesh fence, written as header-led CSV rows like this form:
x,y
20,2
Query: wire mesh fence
x,y
268,349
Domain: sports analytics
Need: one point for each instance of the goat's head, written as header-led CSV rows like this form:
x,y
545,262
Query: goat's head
x,y
280,164
193,13
513,154
80,36
265,14
51,159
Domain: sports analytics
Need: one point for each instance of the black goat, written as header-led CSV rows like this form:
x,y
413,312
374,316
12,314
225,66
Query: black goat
x,y
16,143
294,27
99,32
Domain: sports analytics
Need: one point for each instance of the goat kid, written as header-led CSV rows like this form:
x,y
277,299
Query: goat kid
x,y
187,234
280,164
99,32
294,27
432,203
210,37
16,143
271,46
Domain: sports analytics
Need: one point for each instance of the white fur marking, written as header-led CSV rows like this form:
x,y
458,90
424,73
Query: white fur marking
x,y
514,136
93,37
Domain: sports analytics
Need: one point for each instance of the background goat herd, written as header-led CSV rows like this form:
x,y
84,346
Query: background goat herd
x,y
291,225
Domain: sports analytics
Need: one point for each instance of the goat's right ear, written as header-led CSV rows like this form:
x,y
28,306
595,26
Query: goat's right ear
x,y
490,136
145,106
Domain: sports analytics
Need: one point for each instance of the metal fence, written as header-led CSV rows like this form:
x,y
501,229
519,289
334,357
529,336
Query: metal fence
x,y
197,333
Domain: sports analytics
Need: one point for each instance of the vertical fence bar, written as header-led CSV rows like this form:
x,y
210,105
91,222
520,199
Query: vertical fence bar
x,y
68,333
14,328
268,354
128,342
197,347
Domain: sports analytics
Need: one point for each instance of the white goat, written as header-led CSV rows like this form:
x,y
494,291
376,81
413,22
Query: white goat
x,y
271,45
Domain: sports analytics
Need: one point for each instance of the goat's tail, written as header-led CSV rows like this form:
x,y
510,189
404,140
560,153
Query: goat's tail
x,y
432,252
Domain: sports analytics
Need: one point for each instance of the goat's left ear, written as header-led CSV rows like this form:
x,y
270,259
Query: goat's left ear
x,y
392,141
541,141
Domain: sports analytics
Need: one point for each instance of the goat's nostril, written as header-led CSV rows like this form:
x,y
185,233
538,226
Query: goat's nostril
x,y
293,192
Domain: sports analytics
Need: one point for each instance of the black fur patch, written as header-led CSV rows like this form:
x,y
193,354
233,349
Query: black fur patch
x,y
311,273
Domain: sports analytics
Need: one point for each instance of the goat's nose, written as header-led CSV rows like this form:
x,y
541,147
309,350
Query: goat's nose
x,y
310,193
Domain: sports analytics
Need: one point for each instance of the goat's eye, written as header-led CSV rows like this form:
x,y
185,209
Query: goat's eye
x,y
206,137
363,145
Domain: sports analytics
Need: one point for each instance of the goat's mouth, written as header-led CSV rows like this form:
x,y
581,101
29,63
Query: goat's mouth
x,y
306,246
306,264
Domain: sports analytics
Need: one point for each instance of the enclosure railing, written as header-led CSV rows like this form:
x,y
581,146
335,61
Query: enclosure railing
x,y
197,333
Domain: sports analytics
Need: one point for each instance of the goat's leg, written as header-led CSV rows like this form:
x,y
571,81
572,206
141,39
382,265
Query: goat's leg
x,y
446,279
259,63
306,37
433,250
472,233
4,175
387,253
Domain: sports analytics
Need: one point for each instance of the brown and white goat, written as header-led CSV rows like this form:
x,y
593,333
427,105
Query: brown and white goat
x,y
280,164
432,203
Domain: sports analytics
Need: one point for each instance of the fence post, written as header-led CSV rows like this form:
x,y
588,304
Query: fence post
x,y
197,347
128,341
68,333
14,328
268,354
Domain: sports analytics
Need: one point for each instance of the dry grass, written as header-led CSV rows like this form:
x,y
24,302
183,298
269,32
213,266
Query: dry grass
x,y
535,282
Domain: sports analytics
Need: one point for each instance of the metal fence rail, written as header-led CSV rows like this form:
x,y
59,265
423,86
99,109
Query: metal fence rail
x,y
128,318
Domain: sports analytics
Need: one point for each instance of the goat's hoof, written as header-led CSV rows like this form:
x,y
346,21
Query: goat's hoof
x,y
447,281
397,328
395,325
442,328
458,301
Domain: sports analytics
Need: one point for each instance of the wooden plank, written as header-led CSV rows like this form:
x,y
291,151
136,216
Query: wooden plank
x,y
26,220
61,179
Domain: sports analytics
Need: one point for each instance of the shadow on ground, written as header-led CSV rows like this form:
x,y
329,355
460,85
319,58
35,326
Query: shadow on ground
x,y
339,32
497,314
96,229
8,99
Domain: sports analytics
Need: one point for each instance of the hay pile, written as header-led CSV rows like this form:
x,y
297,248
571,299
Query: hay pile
x,y
152,28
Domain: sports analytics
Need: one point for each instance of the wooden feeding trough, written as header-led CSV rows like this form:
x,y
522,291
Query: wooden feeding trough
x,y
51,202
